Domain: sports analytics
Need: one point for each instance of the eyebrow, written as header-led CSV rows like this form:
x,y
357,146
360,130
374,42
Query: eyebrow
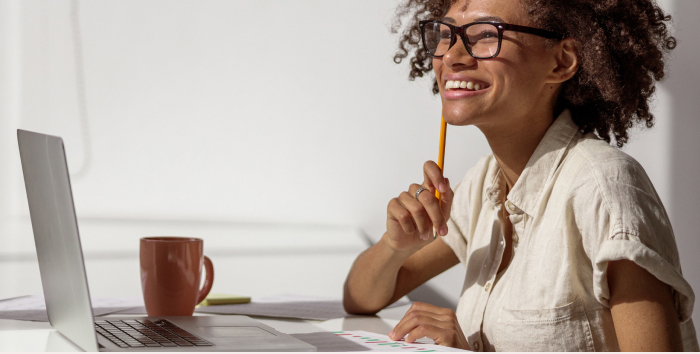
x,y
481,18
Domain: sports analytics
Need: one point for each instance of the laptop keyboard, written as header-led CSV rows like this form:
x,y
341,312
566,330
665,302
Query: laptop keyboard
x,y
146,333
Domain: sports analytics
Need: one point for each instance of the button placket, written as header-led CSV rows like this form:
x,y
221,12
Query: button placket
x,y
492,273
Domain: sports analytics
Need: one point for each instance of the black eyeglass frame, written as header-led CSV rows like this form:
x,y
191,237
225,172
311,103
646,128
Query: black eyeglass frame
x,y
500,26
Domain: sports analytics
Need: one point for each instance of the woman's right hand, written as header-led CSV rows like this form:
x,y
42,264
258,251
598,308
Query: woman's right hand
x,y
409,221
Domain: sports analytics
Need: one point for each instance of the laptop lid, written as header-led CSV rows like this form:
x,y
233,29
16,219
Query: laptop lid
x,y
56,237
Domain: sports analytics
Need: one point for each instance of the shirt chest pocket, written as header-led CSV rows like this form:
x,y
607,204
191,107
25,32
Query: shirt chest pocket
x,y
562,329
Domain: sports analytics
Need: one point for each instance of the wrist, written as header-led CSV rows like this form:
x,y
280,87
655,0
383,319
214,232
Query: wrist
x,y
396,254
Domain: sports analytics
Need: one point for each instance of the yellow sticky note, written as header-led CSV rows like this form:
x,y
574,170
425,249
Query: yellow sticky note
x,y
224,299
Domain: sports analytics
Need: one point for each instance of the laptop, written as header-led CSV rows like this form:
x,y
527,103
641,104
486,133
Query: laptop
x,y
65,285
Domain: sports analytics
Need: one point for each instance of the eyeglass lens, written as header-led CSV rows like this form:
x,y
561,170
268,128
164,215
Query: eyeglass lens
x,y
482,39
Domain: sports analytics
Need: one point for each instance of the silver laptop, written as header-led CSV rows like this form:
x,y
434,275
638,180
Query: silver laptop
x,y
65,282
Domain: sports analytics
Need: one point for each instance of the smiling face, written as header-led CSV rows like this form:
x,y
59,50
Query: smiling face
x,y
500,92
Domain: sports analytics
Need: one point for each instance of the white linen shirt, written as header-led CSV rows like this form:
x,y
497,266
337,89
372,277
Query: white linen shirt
x,y
578,204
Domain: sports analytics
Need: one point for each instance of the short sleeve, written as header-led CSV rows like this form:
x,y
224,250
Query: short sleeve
x,y
630,223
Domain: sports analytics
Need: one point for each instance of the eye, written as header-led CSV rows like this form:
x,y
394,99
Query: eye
x,y
483,37
445,34
486,35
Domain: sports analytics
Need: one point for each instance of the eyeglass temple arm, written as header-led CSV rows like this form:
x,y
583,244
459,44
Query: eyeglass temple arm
x,y
531,30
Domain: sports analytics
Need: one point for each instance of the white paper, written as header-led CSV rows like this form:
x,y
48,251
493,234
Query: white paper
x,y
33,307
355,341
29,302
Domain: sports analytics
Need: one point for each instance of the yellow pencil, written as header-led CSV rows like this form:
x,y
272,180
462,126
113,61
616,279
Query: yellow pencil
x,y
441,161
441,157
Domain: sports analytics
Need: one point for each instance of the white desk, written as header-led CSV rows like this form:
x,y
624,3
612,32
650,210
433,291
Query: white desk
x,y
23,336
298,259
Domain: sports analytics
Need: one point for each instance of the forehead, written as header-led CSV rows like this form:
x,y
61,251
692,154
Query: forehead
x,y
465,11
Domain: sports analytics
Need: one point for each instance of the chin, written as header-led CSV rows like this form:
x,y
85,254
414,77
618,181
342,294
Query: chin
x,y
460,116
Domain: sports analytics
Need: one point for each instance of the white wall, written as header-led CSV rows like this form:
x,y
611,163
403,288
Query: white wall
x,y
684,196
260,110
198,111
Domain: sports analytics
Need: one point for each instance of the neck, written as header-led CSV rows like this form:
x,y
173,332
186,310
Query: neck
x,y
513,143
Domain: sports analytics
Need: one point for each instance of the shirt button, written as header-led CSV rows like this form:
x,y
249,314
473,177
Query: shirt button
x,y
476,346
511,206
515,237
488,286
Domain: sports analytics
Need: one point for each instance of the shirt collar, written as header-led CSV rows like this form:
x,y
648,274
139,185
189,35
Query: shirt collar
x,y
540,169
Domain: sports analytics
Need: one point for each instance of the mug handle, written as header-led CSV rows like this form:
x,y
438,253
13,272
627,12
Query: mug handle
x,y
209,280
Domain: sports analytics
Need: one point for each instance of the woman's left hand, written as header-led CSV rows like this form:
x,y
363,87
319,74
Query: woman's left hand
x,y
437,323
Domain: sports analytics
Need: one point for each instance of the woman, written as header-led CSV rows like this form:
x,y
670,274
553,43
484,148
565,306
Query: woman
x,y
565,241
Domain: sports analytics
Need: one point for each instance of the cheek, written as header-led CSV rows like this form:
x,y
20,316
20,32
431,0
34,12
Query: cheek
x,y
518,76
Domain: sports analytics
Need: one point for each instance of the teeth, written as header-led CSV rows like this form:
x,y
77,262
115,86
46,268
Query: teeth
x,y
462,84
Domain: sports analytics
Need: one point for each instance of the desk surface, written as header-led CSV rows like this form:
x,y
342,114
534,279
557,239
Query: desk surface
x,y
23,336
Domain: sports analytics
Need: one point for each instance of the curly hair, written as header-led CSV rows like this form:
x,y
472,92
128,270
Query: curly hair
x,y
623,54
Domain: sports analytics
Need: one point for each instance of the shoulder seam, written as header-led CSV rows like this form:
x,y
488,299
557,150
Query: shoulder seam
x,y
596,174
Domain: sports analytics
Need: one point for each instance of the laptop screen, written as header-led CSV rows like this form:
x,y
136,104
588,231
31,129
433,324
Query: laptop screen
x,y
56,237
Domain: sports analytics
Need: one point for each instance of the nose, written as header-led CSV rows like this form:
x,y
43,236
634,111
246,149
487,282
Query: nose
x,y
458,55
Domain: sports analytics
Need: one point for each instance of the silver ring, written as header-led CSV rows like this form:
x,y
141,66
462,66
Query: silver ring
x,y
420,190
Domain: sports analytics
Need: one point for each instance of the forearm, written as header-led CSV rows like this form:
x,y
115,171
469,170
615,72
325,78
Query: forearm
x,y
371,282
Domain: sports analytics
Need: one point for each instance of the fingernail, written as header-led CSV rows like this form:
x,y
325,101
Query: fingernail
x,y
391,334
442,187
443,231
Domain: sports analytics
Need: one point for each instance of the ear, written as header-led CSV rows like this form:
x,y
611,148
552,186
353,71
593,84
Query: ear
x,y
566,61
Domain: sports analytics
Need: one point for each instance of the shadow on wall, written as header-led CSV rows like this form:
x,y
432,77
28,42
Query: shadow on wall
x,y
683,84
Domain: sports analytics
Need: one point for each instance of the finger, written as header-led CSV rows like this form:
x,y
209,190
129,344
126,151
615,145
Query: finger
x,y
433,178
444,328
410,324
446,336
432,207
418,309
420,216
420,331
397,212
436,315
406,317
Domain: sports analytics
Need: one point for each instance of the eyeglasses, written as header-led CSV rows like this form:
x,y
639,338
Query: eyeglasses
x,y
482,39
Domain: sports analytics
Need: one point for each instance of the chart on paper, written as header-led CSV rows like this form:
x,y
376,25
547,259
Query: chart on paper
x,y
368,341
